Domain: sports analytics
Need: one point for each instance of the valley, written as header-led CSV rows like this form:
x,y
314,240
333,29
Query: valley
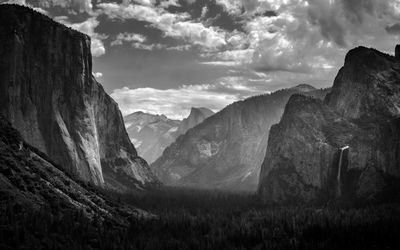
x,y
295,168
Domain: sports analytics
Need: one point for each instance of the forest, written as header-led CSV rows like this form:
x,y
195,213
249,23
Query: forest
x,y
198,219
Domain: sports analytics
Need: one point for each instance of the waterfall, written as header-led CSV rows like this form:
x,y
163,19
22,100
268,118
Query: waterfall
x,y
339,190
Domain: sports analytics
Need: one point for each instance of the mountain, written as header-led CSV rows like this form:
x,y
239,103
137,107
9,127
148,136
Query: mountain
x,y
347,146
48,93
151,134
30,180
196,116
226,150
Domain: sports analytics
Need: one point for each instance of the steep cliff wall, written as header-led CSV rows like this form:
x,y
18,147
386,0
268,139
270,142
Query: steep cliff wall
x,y
362,112
48,93
227,149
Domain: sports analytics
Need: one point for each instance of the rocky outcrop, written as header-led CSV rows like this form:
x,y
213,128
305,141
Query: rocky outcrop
x,y
346,146
151,134
226,150
48,93
196,116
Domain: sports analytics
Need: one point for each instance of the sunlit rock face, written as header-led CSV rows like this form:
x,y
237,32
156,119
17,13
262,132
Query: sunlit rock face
x,y
362,112
48,93
151,134
226,150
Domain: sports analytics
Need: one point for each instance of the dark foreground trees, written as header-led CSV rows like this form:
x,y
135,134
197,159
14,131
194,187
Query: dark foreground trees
x,y
189,219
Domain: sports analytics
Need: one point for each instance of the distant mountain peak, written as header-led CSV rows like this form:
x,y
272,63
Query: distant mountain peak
x,y
200,110
153,133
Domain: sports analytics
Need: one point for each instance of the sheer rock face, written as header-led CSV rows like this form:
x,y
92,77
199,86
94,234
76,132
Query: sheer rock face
x,y
362,111
48,93
226,150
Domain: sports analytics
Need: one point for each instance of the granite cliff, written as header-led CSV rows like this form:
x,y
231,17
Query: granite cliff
x,y
347,146
226,150
49,95
30,180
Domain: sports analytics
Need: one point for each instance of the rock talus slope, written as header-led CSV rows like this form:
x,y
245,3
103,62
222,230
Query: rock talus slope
x,y
360,116
49,95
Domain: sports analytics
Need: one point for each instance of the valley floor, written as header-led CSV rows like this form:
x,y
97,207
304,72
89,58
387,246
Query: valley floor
x,y
189,219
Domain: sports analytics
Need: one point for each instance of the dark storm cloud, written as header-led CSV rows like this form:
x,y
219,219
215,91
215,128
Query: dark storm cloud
x,y
339,18
268,13
329,22
393,29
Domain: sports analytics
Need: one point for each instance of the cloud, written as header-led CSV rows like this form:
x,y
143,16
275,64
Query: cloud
x,y
393,29
98,74
23,2
74,6
138,45
180,47
20,2
146,2
128,37
231,6
174,25
174,103
207,37
168,3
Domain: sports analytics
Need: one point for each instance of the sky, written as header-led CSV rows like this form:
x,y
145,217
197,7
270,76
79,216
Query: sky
x,y
164,57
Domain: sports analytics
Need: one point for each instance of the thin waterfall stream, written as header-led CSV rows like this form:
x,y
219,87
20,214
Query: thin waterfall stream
x,y
339,190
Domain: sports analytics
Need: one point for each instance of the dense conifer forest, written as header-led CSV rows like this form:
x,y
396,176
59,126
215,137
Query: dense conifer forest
x,y
189,219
